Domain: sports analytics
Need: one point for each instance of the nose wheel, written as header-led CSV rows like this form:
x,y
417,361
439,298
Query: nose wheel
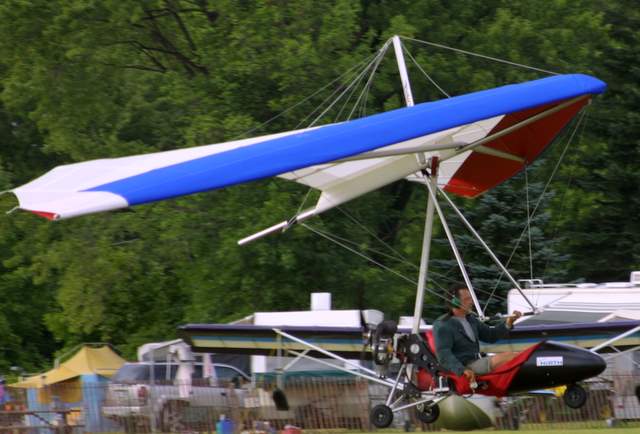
x,y
381,416
575,396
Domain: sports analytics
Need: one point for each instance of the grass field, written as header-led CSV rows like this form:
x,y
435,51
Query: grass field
x,y
632,429
561,431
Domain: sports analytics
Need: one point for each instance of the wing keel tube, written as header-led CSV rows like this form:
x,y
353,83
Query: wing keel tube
x,y
280,227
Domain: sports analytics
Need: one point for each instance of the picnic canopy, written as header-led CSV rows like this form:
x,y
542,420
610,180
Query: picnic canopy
x,y
102,361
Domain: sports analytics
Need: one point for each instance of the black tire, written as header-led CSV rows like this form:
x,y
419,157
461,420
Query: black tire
x,y
381,416
575,396
427,413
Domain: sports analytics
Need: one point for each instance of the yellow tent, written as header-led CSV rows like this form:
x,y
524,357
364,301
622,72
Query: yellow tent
x,y
88,360
64,381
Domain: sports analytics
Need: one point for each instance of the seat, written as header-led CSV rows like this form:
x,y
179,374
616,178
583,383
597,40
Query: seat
x,y
496,383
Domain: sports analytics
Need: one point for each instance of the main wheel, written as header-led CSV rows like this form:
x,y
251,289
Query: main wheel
x,y
427,413
575,396
381,416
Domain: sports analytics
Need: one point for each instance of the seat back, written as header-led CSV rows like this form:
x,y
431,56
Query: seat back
x,y
424,378
431,342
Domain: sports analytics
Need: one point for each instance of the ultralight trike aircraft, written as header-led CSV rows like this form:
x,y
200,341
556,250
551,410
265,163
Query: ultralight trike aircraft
x,y
463,145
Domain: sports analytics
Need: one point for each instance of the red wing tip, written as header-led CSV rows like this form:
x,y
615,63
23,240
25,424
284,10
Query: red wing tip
x,y
45,214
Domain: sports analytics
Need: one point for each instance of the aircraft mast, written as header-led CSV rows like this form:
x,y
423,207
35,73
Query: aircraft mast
x,y
428,226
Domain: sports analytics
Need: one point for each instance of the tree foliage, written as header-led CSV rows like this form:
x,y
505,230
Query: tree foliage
x,y
92,79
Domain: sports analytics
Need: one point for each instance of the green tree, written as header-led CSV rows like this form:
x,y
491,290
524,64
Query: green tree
x,y
603,208
97,79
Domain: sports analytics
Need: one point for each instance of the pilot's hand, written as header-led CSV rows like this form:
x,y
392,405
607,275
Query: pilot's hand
x,y
513,317
470,375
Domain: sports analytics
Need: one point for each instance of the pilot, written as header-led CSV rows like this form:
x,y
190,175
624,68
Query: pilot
x,y
458,334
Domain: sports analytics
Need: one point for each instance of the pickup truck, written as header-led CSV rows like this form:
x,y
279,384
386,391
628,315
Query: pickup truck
x,y
164,396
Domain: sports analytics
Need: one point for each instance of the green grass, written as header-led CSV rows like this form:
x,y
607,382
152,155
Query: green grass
x,y
565,430
632,428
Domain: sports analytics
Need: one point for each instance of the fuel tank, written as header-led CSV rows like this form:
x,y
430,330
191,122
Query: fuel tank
x,y
554,364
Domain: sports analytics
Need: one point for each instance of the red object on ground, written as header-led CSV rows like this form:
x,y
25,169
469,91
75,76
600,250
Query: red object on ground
x,y
497,382
290,429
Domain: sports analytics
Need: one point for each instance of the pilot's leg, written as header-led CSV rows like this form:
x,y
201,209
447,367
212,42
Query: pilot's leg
x,y
480,366
502,358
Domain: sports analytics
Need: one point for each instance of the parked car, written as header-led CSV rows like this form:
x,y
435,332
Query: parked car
x,y
156,395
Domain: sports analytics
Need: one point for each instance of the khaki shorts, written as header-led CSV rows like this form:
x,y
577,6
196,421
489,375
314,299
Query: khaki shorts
x,y
480,366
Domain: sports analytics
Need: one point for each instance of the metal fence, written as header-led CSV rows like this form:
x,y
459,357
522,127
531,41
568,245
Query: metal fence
x,y
314,403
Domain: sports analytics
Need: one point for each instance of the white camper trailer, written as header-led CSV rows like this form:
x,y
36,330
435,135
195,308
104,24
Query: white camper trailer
x,y
320,315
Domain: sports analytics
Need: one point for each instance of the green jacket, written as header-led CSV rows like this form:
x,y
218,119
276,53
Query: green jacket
x,y
454,349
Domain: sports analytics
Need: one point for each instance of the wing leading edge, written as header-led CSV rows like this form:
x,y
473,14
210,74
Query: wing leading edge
x,y
316,157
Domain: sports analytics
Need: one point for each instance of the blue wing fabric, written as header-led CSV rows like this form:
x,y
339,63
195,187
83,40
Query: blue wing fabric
x,y
339,141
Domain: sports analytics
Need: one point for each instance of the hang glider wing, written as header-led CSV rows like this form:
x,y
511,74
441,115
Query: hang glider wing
x,y
483,138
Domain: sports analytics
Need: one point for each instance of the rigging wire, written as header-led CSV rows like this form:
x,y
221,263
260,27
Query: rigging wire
x,y
287,110
379,264
483,56
352,79
379,54
563,202
424,72
373,63
526,189
304,200
343,242
544,190
370,249
333,239
367,86
370,232
354,87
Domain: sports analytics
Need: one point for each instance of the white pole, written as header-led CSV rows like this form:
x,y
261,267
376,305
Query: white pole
x,y
426,249
612,340
456,253
487,248
428,225
402,68
354,365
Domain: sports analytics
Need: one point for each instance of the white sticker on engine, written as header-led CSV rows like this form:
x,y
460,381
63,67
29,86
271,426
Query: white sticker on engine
x,y
550,361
